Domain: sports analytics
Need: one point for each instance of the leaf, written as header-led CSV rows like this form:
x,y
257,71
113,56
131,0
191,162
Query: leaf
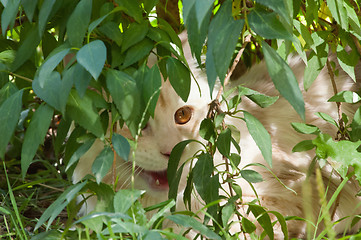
x,y
202,9
29,8
78,22
258,98
326,117
48,66
279,7
263,219
338,12
251,176
9,14
347,60
207,130
137,52
179,77
189,222
55,91
44,14
103,163
81,77
260,136
135,33
79,153
284,79
27,48
315,64
92,57
202,172
247,225
125,198
131,8
345,96
82,111
151,88
121,146
60,203
267,25
224,142
34,135
305,128
303,146
355,134
9,115
223,36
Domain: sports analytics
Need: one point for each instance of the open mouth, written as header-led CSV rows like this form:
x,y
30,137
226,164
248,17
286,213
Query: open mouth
x,y
157,180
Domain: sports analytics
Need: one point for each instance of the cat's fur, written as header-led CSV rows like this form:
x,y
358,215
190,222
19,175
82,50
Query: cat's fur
x,y
163,133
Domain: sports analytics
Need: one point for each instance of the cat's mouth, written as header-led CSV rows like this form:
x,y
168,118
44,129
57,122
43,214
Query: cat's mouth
x,y
157,180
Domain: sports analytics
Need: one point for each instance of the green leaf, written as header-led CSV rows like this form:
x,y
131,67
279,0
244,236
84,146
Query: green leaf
x,y
29,8
315,64
263,219
27,48
267,25
355,134
151,88
48,66
131,8
224,142
78,22
134,34
279,7
305,128
338,12
34,135
179,77
284,79
92,57
348,60
190,222
81,77
251,176
137,52
202,9
60,203
260,136
258,98
247,225
44,14
121,146
79,152
345,96
112,31
102,163
207,130
326,117
202,172
303,146
55,91
125,198
9,14
126,97
9,115
223,36
82,111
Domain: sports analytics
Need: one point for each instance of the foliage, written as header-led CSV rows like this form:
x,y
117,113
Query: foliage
x,y
84,62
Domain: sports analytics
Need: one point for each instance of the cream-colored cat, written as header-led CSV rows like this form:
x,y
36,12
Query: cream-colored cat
x,y
176,121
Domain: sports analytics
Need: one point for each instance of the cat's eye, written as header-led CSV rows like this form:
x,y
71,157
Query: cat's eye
x,y
183,115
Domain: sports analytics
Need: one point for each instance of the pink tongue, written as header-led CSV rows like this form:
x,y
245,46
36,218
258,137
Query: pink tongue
x,y
161,177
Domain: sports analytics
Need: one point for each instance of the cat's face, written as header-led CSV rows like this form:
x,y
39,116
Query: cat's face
x,y
174,122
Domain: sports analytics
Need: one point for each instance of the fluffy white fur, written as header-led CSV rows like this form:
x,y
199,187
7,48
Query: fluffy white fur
x,y
162,134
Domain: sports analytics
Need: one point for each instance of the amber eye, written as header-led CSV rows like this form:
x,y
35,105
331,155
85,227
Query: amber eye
x,y
183,115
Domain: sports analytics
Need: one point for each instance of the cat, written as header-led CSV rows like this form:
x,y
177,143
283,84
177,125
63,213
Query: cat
x,y
175,121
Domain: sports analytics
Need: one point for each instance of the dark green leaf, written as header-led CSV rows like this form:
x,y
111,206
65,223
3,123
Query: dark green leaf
x,y
303,146
102,163
345,96
78,22
190,222
82,111
112,31
267,25
258,98
251,176
137,52
60,203
125,198
263,219
9,14
134,34
284,79
348,60
279,7
248,226
179,77
121,146
305,128
207,130
44,13
202,172
92,57
79,152
9,115
81,77
356,126
131,8
55,91
29,8
151,88
260,136
338,12
34,135
224,142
